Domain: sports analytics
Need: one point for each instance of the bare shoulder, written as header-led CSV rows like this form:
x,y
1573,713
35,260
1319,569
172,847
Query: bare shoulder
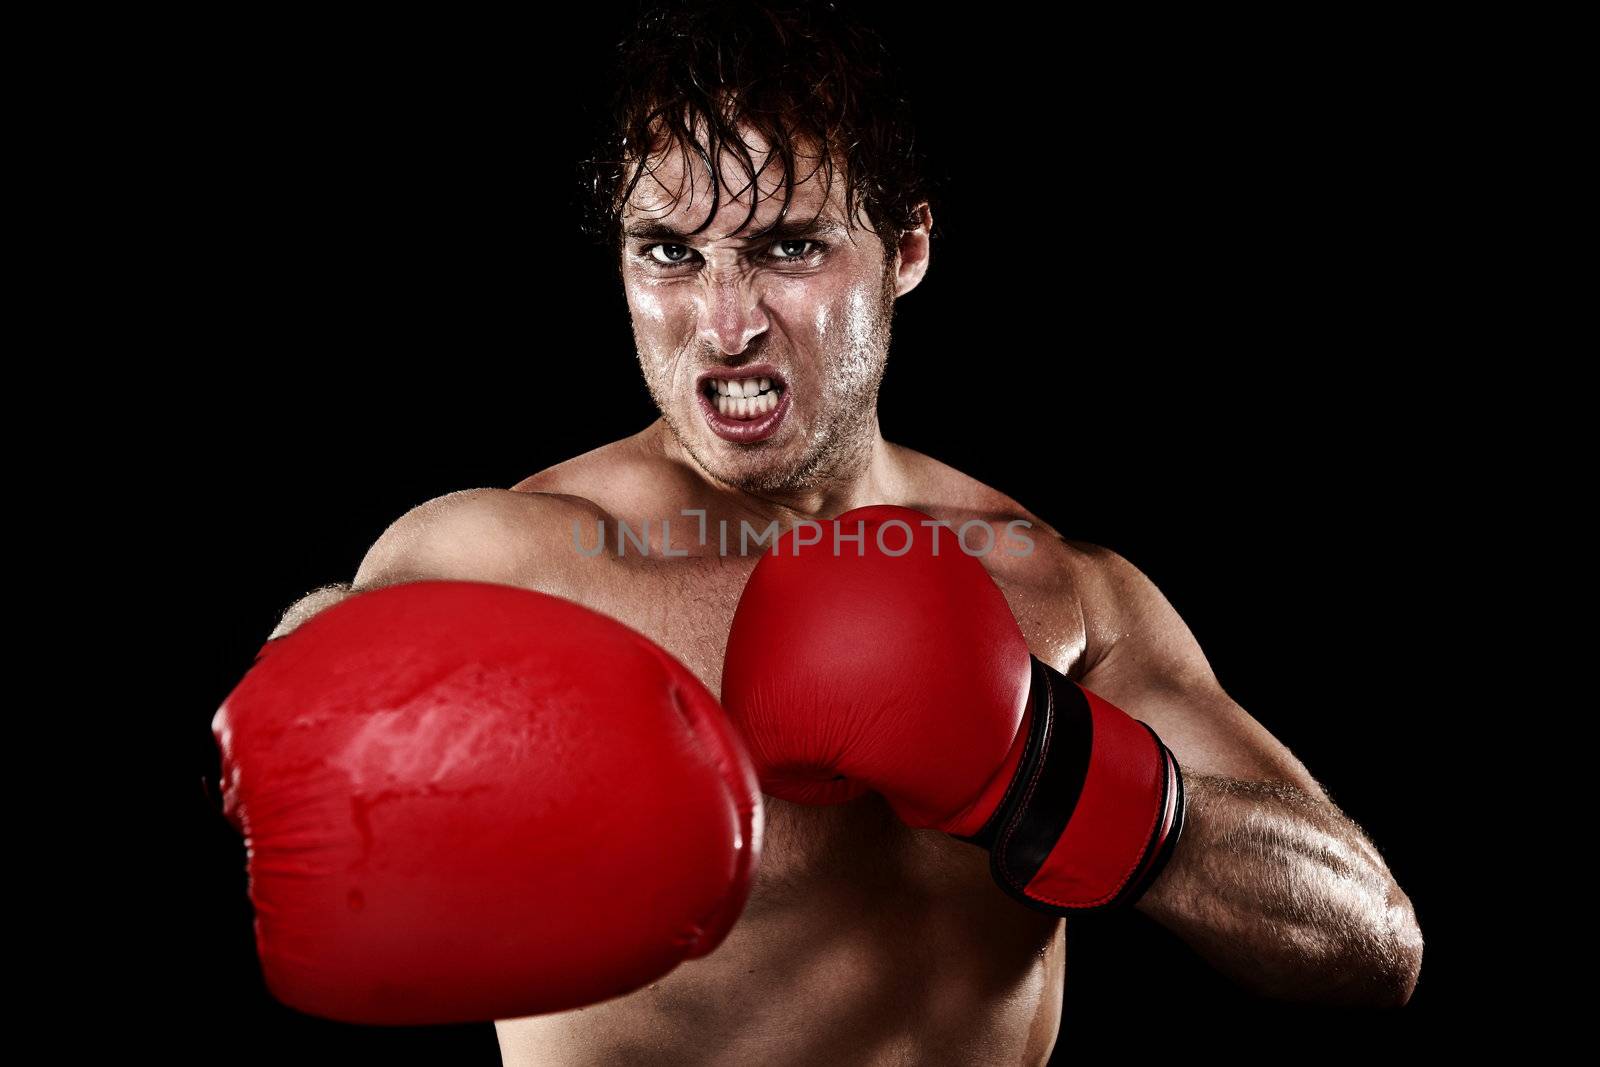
x,y
1046,578
491,535
622,476
1085,609
572,474
484,535
1026,548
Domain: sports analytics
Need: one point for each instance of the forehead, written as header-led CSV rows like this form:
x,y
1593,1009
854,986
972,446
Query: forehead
x,y
676,190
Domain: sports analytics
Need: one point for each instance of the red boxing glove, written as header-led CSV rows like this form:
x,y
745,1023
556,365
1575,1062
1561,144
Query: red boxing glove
x,y
872,668
464,801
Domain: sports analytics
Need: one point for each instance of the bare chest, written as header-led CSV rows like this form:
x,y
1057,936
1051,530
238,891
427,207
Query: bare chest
x,y
876,932
686,605
683,604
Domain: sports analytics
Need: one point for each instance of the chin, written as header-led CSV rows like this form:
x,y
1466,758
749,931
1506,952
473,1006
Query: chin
x,y
764,474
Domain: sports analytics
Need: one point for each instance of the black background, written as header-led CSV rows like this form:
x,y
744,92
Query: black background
x,y
1183,303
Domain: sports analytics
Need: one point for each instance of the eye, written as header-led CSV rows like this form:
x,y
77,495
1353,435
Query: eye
x,y
793,249
670,255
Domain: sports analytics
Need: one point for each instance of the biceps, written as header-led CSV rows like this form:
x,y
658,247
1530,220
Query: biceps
x,y
1205,728
1150,665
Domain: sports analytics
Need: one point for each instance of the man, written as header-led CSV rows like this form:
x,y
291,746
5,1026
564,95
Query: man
x,y
766,213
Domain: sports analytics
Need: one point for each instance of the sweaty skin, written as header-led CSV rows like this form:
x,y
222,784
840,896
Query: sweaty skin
x,y
865,942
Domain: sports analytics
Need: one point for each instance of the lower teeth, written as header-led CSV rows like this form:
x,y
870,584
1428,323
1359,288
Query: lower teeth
x,y
746,407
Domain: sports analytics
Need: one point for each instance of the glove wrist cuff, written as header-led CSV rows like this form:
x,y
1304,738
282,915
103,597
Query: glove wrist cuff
x,y
1095,809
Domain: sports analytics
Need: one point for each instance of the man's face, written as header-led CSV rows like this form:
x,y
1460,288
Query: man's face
x,y
764,355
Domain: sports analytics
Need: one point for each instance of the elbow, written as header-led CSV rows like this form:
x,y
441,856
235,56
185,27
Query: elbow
x,y
1391,984
1383,952
1406,960
1408,981
1393,969
1375,967
1383,984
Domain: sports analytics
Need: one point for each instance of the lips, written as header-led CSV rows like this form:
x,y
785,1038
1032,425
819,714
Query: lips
x,y
745,405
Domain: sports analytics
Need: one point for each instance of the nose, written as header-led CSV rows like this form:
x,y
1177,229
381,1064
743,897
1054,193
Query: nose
x,y
731,313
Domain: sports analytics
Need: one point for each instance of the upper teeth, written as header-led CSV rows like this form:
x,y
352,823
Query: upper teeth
x,y
742,386
744,398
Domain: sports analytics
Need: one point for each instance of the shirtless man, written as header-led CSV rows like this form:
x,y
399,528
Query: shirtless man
x,y
865,941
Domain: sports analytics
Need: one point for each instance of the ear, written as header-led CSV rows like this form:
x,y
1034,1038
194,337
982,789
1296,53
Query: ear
x,y
911,260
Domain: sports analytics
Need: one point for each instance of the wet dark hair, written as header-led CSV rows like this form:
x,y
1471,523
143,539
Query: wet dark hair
x,y
805,76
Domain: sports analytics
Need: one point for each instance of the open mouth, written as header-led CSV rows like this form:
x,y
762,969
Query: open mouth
x,y
743,398
744,409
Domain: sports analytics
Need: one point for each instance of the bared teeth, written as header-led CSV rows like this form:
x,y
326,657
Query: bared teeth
x,y
743,398
739,387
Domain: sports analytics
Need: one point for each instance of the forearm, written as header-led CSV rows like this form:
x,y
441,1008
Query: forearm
x,y
1283,893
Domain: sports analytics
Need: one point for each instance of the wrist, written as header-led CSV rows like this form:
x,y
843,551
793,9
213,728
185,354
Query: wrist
x,y
1094,809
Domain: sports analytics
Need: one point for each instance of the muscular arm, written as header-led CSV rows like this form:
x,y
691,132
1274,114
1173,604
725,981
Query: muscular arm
x,y
1270,882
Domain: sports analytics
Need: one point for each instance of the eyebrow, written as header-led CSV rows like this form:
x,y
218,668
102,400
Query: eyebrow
x,y
788,230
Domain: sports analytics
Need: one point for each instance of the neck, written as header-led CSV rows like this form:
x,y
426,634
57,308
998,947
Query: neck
x,y
873,474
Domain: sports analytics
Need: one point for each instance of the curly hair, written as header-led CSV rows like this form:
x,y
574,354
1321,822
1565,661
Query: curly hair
x,y
805,77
